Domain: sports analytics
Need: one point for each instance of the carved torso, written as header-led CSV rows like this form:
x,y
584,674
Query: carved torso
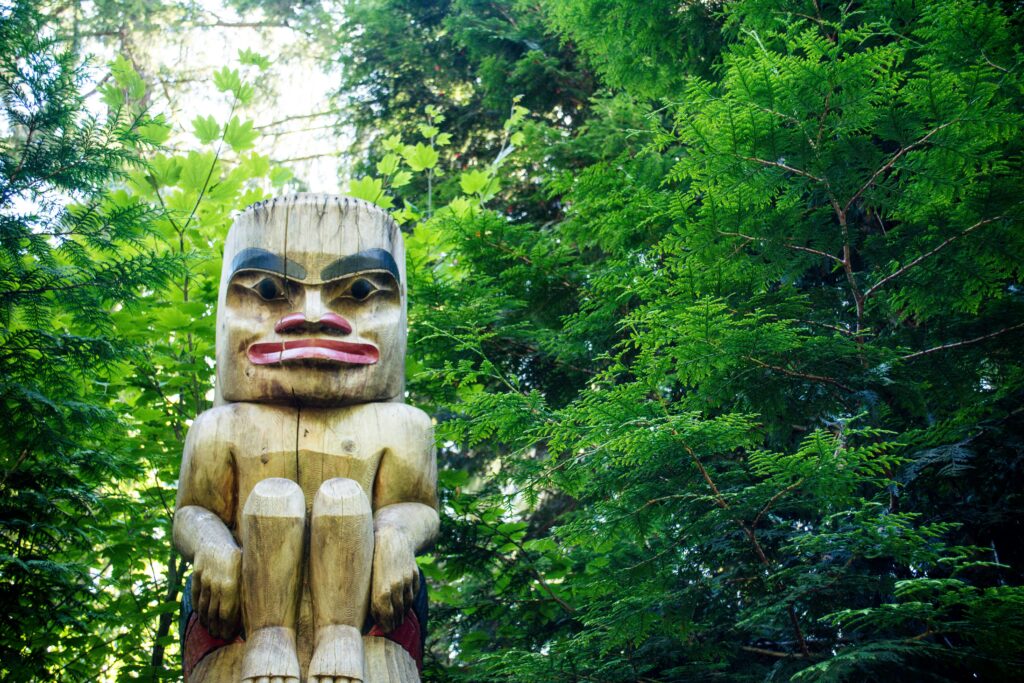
x,y
254,442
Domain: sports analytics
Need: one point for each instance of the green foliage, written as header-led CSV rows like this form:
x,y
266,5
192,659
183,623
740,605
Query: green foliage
x,y
667,41
111,267
74,248
735,410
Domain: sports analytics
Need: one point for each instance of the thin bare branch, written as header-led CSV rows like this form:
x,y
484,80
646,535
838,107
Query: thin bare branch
x,y
966,342
834,328
298,117
770,653
816,252
931,252
801,375
787,245
777,164
774,499
309,157
892,160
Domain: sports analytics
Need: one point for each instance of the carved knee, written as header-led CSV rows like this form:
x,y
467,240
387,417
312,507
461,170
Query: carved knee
x,y
341,498
275,497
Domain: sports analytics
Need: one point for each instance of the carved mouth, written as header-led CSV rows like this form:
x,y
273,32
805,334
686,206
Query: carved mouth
x,y
270,353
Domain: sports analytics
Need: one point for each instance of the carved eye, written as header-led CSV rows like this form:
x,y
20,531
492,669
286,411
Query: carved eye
x,y
269,289
361,289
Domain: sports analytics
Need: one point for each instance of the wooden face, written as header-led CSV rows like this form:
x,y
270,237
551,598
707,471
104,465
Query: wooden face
x,y
312,304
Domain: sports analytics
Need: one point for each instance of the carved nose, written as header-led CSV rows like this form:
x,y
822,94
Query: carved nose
x,y
328,322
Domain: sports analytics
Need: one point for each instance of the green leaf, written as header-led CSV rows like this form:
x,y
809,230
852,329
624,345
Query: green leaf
x,y
474,182
372,190
461,207
127,78
392,143
155,131
401,179
227,80
245,93
405,215
253,58
388,165
253,165
240,134
279,175
165,170
196,171
427,131
206,129
368,188
452,479
518,114
434,114
420,157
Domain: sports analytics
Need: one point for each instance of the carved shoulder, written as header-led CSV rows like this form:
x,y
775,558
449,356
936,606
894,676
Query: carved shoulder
x,y
408,470
207,475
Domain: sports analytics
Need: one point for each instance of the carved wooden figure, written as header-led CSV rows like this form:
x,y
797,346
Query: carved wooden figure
x,y
306,493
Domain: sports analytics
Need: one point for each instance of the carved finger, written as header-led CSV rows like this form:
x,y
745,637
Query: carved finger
x,y
382,611
229,614
197,586
215,628
407,595
398,601
202,606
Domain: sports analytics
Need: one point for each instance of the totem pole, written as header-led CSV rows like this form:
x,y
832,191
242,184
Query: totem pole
x,y
307,491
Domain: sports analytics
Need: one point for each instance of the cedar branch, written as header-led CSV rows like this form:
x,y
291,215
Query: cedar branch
x,y
931,252
892,160
958,344
801,375
784,167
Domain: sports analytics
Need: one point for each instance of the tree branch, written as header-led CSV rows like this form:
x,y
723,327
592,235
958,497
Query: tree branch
x,y
787,245
953,345
774,499
776,164
892,160
772,653
298,117
801,375
925,255
308,157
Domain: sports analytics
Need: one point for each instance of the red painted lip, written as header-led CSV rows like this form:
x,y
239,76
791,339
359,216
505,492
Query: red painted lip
x,y
270,353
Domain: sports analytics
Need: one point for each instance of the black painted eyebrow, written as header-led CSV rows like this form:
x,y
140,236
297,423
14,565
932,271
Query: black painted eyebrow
x,y
368,260
261,259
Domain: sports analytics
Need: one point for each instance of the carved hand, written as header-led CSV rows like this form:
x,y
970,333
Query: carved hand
x,y
216,580
396,578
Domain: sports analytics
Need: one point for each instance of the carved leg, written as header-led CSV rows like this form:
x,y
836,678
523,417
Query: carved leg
x,y
273,522
341,559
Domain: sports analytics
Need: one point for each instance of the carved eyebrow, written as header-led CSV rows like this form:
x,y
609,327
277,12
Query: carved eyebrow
x,y
261,259
368,260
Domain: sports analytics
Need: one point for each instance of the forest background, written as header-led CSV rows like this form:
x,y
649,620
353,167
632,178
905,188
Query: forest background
x,y
717,305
